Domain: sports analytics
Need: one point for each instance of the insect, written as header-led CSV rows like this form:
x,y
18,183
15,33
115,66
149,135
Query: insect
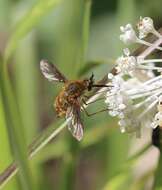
x,y
69,101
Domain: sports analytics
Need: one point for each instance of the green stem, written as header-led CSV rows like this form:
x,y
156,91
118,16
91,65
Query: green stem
x,y
70,161
35,149
69,167
85,28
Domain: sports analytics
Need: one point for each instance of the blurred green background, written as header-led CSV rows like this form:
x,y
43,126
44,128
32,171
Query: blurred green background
x,y
103,160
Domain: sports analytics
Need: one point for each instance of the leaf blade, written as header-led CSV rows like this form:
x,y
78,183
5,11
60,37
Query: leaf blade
x,y
27,23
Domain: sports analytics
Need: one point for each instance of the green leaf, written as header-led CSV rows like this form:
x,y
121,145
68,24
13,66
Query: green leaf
x,y
6,157
118,182
28,22
14,127
28,97
85,21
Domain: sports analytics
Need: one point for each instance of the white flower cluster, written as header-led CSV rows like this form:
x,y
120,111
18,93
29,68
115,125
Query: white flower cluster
x,y
126,64
120,104
132,100
144,27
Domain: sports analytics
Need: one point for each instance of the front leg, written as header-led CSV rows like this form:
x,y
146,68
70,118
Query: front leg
x,y
91,114
84,102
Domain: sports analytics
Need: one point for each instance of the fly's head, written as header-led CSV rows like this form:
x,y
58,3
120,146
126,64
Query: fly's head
x,y
89,82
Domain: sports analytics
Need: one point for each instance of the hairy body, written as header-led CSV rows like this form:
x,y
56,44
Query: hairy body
x,y
70,95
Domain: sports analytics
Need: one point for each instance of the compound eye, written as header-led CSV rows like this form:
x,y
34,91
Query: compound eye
x,y
71,88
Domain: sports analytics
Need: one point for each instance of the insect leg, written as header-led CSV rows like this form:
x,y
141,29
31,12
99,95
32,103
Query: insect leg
x,y
84,102
87,97
100,111
91,114
98,92
84,109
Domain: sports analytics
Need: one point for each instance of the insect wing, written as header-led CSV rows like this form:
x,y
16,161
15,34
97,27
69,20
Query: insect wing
x,y
51,72
75,125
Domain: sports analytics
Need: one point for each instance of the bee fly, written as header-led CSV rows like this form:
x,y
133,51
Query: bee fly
x,y
69,101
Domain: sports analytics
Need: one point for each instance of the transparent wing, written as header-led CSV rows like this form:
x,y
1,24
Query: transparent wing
x,y
75,125
51,72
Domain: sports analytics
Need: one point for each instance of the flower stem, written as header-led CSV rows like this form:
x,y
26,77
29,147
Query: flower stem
x,y
151,61
156,33
148,44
